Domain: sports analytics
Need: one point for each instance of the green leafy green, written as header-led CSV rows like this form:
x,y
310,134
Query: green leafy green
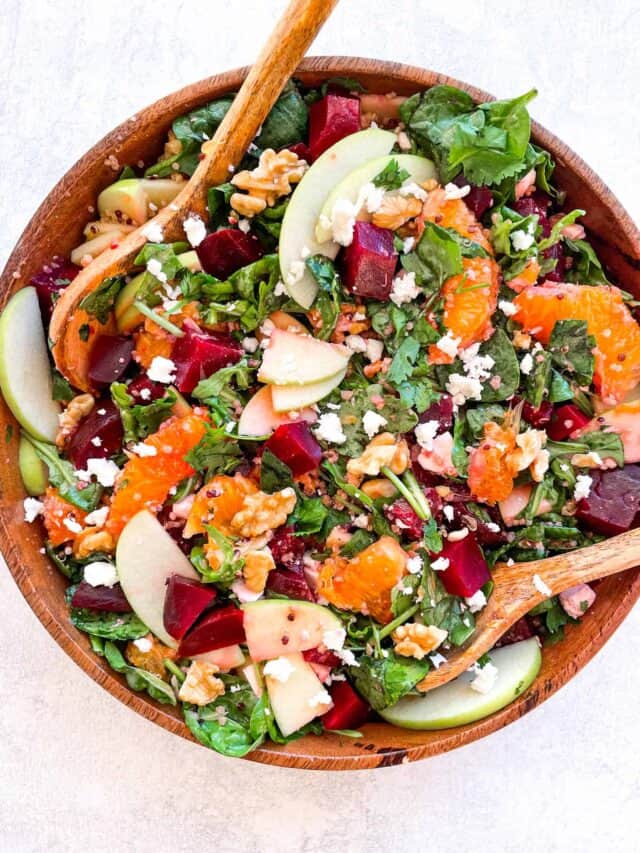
x,y
230,564
63,477
137,678
392,177
110,626
399,417
383,681
61,389
274,473
213,386
445,611
436,257
505,366
216,453
403,361
141,420
608,445
99,303
586,268
287,122
360,540
536,383
571,348
327,300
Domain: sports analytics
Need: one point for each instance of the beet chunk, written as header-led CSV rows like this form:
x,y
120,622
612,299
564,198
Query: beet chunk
x,y
227,250
108,598
613,504
538,204
291,584
349,709
538,416
217,629
467,570
369,263
110,357
287,549
441,411
185,600
479,198
198,354
98,436
566,420
330,120
145,390
294,445
51,281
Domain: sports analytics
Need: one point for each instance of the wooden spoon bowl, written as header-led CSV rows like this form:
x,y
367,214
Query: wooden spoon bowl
x,y
56,228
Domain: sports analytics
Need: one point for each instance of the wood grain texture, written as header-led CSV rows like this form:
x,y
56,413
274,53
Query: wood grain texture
x,y
56,228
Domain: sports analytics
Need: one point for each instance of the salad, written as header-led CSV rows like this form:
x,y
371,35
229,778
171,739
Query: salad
x,y
282,457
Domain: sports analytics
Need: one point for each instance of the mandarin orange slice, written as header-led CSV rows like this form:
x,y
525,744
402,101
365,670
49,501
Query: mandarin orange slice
x,y
56,511
217,502
617,334
490,473
364,583
454,213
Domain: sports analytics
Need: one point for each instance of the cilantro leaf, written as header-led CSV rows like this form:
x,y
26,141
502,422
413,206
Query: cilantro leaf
x,y
403,361
327,301
138,420
392,177
99,303
216,453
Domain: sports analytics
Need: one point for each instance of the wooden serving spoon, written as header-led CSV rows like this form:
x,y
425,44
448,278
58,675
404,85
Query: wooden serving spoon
x,y
515,594
277,61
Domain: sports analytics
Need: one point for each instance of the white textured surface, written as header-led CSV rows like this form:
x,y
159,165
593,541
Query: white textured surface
x,y
78,771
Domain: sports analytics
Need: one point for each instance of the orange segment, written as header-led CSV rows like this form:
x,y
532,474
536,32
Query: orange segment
x,y
490,474
526,278
217,502
365,582
468,306
152,341
56,512
617,334
145,480
454,213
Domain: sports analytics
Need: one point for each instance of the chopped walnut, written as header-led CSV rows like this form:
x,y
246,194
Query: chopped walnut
x,y
69,419
269,181
395,210
261,512
413,640
382,451
529,453
90,540
201,685
151,656
257,565
521,340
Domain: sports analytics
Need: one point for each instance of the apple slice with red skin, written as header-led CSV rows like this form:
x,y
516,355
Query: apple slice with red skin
x,y
185,601
217,629
349,708
294,445
260,418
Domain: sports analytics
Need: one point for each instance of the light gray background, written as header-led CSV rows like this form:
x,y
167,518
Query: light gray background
x,y
80,772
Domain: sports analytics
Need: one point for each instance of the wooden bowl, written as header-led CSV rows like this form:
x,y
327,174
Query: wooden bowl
x,y
56,228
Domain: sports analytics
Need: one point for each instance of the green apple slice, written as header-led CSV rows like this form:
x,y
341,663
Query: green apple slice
x,y
25,373
226,658
146,556
276,626
125,200
456,703
190,261
295,702
33,471
294,359
161,191
297,235
419,168
292,398
260,418
96,246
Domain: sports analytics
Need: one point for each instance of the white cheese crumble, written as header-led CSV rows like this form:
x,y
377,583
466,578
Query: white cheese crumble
x,y
452,191
463,388
279,668
485,677
32,509
72,525
507,308
582,487
374,349
476,366
145,393
162,370
341,222
449,345
541,586
250,345
142,449
356,343
96,441
100,573
440,564
143,644
526,365
404,289
155,268
361,521
244,225
521,241
194,229
414,565
330,429
372,423
333,640
476,601
437,660
408,245
279,289
153,232
98,517
448,512
321,698
425,433
104,470
413,189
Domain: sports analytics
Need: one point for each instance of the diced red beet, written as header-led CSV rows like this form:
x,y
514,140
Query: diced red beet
x,y
369,263
145,390
294,445
565,420
108,598
216,629
562,262
349,708
199,354
174,527
287,549
98,436
467,570
291,584
441,411
613,503
227,250
109,358
185,601
301,150
405,517
538,204
521,630
330,120
51,281
538,416
479,199
323,658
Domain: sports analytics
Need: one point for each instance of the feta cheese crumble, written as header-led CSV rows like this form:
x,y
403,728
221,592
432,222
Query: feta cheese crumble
x,y
425,434
404,289
507,308
448,344
142,449
414,565
279,668
155,268
72,525
476,601
440,564
100,573
162,370
372,423
452,191
143,644
250,345
582,487
194,229
296,272
153,232
104,470
541,586
32,509
374,349
98,517
322,697
526,365
521,241
356,343
463,388
485,677
330,429
448,512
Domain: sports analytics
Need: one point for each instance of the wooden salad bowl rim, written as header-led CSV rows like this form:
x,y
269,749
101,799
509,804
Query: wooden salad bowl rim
x,y
56,228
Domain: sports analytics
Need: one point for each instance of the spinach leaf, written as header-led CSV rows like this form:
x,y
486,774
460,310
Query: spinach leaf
x,y
478,416
505,366
536,384
559,389
309,516
216,384
110,626
63,477
393,324
139,679
99,303
392,177
360,540
327,300
287,122
399,417
383,681
216,453
141,420
61,390
219,204
437,257
586,268
571,349
608,445
274,474
445,611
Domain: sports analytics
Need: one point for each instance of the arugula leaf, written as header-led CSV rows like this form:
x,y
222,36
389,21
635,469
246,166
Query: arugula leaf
x,y
216,453
586,268
443,610
227,571
571,349
274,474
384,315
63,477
392,177
139,679
327,301
608,445
383,681
99,303
437,257
309,516
213,386
141,420
553,534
